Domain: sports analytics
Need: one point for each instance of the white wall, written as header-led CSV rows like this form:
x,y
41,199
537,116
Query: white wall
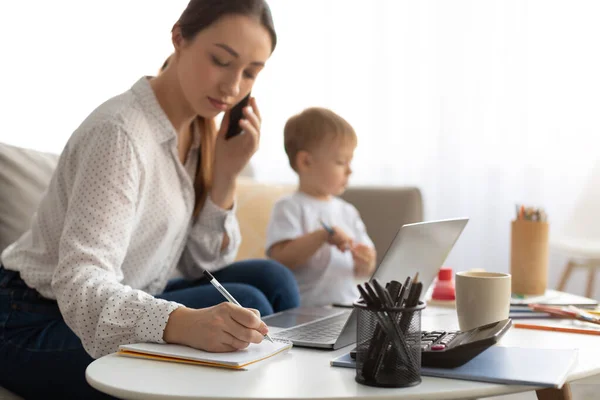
x,y
482,104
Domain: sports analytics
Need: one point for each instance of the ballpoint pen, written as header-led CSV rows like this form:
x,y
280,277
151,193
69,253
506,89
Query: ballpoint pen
x,y
329,229
227,295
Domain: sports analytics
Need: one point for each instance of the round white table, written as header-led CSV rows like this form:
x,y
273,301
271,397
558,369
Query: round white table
x,y
307,374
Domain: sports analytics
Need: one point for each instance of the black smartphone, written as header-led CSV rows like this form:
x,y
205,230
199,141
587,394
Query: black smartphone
x,y
235,116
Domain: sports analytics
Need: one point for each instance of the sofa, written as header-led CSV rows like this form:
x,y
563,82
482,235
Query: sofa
x,y
25,174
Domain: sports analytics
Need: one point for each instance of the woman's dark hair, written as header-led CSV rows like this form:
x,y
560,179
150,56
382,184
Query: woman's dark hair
x,y
200,14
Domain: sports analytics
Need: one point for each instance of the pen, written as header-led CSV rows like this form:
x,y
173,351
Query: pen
x,y
403,294
227,295
327,228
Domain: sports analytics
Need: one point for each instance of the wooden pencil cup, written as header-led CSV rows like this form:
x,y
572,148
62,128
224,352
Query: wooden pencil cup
x,y
529,257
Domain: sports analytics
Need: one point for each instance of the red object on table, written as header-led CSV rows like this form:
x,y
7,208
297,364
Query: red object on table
x,y
444,285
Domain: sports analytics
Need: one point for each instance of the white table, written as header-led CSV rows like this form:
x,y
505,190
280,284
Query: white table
x,y
307,374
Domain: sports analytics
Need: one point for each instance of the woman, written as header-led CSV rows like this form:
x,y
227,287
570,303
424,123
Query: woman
x,y
146,185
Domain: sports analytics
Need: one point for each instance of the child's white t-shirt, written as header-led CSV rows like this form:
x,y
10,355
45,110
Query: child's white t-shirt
x,y
328,276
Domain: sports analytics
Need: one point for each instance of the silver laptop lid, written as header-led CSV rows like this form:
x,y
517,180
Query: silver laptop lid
x,y
420,247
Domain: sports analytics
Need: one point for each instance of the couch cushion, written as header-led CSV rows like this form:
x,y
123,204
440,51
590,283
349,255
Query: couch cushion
x,y
255,201
24,177
384,210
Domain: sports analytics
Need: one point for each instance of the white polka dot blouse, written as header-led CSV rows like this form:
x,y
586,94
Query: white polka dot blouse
x,y
115,222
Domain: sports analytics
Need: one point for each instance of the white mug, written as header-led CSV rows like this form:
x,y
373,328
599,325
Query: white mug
x,y
481,298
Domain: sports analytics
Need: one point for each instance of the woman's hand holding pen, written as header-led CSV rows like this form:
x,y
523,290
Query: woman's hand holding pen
x,y
221,328
364,259
232,155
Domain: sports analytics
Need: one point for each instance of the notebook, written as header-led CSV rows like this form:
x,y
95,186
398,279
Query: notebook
x,y
554,298
183,354
509,365
524,312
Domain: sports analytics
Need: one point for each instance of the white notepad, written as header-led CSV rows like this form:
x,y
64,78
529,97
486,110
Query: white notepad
x,y
183,354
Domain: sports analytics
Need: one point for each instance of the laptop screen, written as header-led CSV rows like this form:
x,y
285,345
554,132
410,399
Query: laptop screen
x,y
421,247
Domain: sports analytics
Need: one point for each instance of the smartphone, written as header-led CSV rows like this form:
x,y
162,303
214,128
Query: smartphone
x,y
235,116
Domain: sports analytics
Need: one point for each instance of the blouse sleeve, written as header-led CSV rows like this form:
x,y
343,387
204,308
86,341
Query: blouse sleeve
x,y
103,175
203,248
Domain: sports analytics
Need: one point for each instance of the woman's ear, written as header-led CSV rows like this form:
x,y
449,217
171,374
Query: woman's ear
x,y
177,38
303,160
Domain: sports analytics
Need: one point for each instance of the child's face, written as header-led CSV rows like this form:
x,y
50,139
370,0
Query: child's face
x,y
328,169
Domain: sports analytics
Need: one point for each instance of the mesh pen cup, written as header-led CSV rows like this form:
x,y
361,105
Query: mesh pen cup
x,y
388,347
529,257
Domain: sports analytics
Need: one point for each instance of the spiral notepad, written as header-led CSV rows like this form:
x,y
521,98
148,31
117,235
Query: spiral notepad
x,y
183,354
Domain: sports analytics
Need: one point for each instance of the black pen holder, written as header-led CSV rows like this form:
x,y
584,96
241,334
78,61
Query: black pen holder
x,y
388,347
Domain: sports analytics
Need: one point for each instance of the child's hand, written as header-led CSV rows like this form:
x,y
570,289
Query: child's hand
x,y
364,259
340,239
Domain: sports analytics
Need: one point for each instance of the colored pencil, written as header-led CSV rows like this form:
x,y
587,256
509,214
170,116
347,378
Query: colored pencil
x,y
558,329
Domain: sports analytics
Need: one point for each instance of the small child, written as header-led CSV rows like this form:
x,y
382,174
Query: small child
x,y
318,236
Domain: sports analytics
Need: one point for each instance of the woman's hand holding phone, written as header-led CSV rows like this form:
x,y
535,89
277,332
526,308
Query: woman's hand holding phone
x,y
235,115
232,154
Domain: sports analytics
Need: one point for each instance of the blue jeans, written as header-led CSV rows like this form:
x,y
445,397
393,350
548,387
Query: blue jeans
x,y
41,358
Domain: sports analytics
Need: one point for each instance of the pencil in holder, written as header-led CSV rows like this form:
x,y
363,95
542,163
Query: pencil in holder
x,y
529,257
388,347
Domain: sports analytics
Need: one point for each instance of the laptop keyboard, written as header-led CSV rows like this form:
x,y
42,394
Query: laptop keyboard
x,y
325,330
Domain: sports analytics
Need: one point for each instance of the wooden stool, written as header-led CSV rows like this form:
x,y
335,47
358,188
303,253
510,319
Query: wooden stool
x,y
579,237
591,265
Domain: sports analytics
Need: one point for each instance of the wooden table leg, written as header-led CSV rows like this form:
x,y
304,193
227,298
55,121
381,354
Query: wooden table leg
x,y
589,291
555,394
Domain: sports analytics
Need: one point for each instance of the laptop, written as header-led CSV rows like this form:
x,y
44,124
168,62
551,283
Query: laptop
x,y
421,247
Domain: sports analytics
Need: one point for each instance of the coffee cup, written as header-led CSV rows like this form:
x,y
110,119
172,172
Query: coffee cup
x,y
481,298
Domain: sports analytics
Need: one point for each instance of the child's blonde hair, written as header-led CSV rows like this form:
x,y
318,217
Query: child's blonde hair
x,y
309,129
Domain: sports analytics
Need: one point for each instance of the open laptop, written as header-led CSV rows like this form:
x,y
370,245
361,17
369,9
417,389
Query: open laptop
x,y
421,247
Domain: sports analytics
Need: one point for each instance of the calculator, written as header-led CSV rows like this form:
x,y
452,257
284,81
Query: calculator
x,y
451,349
